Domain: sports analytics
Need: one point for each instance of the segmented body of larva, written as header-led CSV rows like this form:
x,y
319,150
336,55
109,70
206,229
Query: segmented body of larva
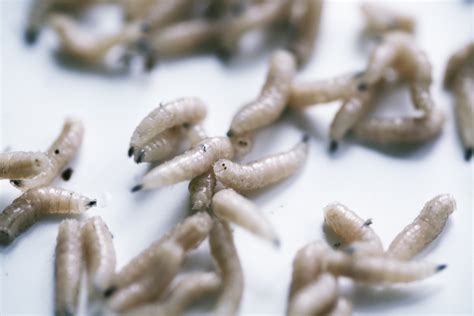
x,y
174,113
425,228
189,165
186,291
34,204
272,99
196,134
400,130
225,255
160,147
353,230
235,208
68,267
99,252
343,307
317,298
381,20
202,190
60,153
262,172
243,143
22,165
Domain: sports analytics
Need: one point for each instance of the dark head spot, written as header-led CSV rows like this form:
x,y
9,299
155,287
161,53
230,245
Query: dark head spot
x,y
17,183
363,86
230,133
441,267
66,175
56,152
130,151
136,188
186,125
111,290
243,143
305,138
31,36
92,203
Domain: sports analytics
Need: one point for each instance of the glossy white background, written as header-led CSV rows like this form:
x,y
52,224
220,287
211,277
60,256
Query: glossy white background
x,y
389,186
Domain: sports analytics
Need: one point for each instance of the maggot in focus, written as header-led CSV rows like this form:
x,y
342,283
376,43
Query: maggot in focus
x,y
22,165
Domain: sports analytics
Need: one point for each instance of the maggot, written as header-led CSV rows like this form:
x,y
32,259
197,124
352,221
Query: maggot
x,y
380,20
235,208
262,172
22,165
354,231
186,291
242,143
273,97
35,204
225,255
424,229
60,153
184,110
160,147
456,62
68,264
201,189
192,163
99,252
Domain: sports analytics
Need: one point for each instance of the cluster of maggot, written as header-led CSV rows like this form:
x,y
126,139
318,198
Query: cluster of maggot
x,y
155,29
360,256
33,173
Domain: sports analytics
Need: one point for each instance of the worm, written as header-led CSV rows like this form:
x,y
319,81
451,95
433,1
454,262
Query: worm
x,y
305,29
343,307
68,267
400,130
235,208
189,289
99,252
272,99
225,255
424,229
262,172
381,20
189,165
243,143
160,147
60,153
177,112
22,165
35,204
353,230
202,190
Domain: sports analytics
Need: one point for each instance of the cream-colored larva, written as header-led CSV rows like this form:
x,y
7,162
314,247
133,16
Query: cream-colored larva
x,y
164,12
380,20
60,153
68,267
202,190
160,147
189,165
35,204
343,307
186,291
456,62
177,112
272,99
242,143
353,231
262,172
100,255
317,298
225,255
22,165
424,229
400,130
235,208
196,133
305,29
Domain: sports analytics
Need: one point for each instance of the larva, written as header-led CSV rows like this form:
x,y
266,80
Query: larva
x,y
456,62
353,230
68,267
196,134
317,298
305,29
192,163
22,165
343,307
262,172
60,153
235,208
99,252
162,13
272,99
225,255
35,204
202,190
380,20
189,289
424,229
160,147
184,110
400,130
242,143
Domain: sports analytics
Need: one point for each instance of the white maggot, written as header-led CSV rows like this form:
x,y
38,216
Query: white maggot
x,y
22,165
381,20
160,147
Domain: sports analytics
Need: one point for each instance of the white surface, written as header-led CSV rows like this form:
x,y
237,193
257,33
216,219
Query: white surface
x,y
390,187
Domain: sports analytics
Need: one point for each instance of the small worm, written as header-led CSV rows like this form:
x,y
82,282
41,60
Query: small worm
x,y
202,190
160,147
381,20
60,153
174,113
243,143
99,252
400,130
272,99
186,291
235,208
35,204
343,307
189,165
424,229
262,172
22,165
353,230
68,267
223,251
